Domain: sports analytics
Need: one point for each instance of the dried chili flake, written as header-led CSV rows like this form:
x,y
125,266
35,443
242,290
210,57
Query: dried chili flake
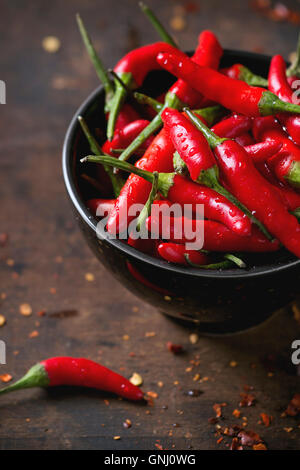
x,y
196,377
10,262
159,446
293,408
33,334
266,419
259,446
160,384
220,440
235,444
150,334
247,399
41,313
152,394
126,337
174,348
217,407
25,310
5,378
236,413
249,438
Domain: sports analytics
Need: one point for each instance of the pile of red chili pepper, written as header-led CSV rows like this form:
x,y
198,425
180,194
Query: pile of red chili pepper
x,y
224,138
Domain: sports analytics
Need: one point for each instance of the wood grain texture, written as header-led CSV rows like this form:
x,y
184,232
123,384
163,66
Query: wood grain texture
x,y
51,258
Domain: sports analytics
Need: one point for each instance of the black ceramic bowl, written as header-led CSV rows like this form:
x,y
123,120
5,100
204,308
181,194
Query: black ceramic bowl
x,y
217,302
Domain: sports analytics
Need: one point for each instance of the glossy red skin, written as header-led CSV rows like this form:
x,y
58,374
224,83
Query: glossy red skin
x,y
158,157
86,373
139,62
147,245
208,53
233,72
217,237
232,94
106,205
190,143
257,194
123,137
245,139
262,151
174,253
125,116
216,206
279,85
289,197
233,126
268,128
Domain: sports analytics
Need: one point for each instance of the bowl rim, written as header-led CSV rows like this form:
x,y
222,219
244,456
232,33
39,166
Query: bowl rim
x,y
91,221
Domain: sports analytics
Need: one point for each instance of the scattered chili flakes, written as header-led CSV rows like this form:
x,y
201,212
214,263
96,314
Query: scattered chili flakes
x,y
266,419
152,394
33,334
236,413
233,363
220,440
51,44
259,446
217,407
174,348
5,378
136,379
247,399
249,438
235,444
25,310
2,320
127,424
196,377
117,438
89,277
3,239
194,338
293,408
288,429
150,334
52,290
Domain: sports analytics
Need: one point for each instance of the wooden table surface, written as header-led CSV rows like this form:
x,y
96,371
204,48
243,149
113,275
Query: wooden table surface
x,y
45,261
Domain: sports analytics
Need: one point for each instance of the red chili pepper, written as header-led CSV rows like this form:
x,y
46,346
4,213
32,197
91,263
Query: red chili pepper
x,y
145,245
232,94
254,191
174,253
286,163
158,157
123,137
262,151
126,115
233,126
180,190
279,85
216,236
105,205
76,372
245,139
208,53
240,72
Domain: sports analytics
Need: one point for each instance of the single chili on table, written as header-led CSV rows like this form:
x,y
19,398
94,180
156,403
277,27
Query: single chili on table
x,y
233,94
249,186
78,372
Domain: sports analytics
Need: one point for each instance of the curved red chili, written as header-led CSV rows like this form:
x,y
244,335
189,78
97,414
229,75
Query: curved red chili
x,y
216,236
232,94
285,164
76,372
262,151
123,137
174,253
240,72
254,191
233,126
279,85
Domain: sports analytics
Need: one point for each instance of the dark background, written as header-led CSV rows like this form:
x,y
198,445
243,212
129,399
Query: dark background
x,y
45,261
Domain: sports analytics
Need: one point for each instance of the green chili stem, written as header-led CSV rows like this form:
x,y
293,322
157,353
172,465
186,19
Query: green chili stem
x,y
99,67
35,377
116,180
271,104
117,102
157,25
171,101
251,78
144,99
211,138
228,262
147,207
